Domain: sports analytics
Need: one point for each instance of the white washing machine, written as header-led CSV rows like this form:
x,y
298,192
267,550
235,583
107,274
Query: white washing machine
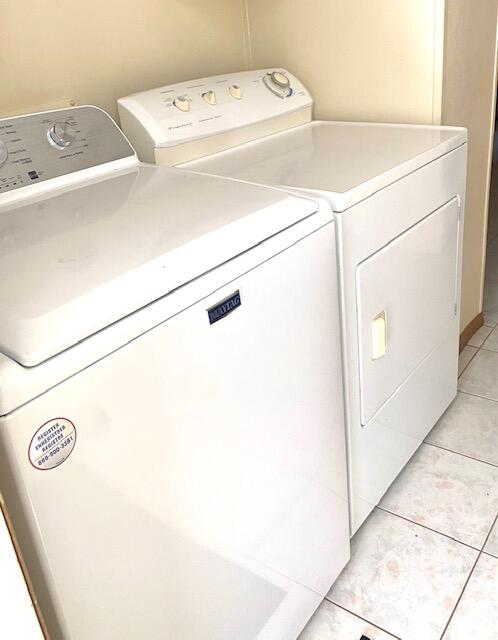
x,y
397,193
172,456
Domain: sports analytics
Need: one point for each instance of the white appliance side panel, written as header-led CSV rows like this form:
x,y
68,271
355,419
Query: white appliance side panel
x,y
205,497
379,451
409,288
17,614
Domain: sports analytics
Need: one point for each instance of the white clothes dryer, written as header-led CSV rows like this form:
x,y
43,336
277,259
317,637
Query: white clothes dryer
x,y
172,455
397,193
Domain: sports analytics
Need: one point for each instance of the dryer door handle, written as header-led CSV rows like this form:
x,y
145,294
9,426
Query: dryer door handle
x,y
379,336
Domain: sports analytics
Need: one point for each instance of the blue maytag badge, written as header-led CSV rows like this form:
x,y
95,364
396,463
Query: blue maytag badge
x,y
224,307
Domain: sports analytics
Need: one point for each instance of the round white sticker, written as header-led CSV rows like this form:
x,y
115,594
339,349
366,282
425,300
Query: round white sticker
x,y
52,443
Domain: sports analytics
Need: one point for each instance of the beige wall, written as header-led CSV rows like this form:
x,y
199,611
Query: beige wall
x,y
385,60
468,98
97,50
376,60
362,60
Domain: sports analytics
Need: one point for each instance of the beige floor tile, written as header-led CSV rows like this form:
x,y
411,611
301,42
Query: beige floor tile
x,y
490,318
403,577
470,427
330,622
465,357
492,545
491,342
447,492
480,336
476,617
481,375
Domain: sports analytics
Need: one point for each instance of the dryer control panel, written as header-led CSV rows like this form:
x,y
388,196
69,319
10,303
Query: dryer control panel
x,y
41,146
177,113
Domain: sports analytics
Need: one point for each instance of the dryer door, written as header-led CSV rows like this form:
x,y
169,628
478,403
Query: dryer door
x,y
406,304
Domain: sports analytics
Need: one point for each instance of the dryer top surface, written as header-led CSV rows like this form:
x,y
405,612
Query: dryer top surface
x,y
342,161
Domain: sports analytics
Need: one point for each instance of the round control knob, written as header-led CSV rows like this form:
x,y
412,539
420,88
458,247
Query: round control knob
x,y
4,154
280,79
210,97
278,83
182,103
61,134
235,91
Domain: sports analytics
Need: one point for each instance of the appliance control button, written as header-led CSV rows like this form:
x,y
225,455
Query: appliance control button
x,y
235,91
210,97
182,103
280,79
4,154
278,83
61,134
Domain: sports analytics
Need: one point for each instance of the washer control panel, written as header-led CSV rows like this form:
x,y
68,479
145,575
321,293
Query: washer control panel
x,y
51,144
201,108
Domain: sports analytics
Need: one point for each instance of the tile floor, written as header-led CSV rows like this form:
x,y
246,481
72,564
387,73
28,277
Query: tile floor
x,y
424,566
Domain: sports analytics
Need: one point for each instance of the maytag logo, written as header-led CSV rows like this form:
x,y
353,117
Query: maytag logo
x,y
224,307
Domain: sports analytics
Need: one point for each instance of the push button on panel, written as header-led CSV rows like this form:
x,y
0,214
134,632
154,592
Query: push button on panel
x,y
4,154
182,103
210,97
235,91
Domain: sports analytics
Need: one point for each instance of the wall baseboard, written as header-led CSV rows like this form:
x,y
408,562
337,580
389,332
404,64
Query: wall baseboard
x,y
473,326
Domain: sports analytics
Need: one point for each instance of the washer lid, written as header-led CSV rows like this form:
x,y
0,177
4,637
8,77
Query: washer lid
x,y
81,259
342,161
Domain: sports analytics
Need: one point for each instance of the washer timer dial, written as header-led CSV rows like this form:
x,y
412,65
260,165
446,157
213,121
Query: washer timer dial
x,y
280,79
4,154
61,134
278,83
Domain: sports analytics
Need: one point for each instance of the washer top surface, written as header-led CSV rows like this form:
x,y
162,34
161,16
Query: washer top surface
x,y
77,259
344,162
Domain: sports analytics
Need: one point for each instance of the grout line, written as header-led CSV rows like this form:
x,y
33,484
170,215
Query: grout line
x,y
489,533
362,618
476,395
491,464
460,597
488,350
479,551
479,346
473,356
468,578
424,526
